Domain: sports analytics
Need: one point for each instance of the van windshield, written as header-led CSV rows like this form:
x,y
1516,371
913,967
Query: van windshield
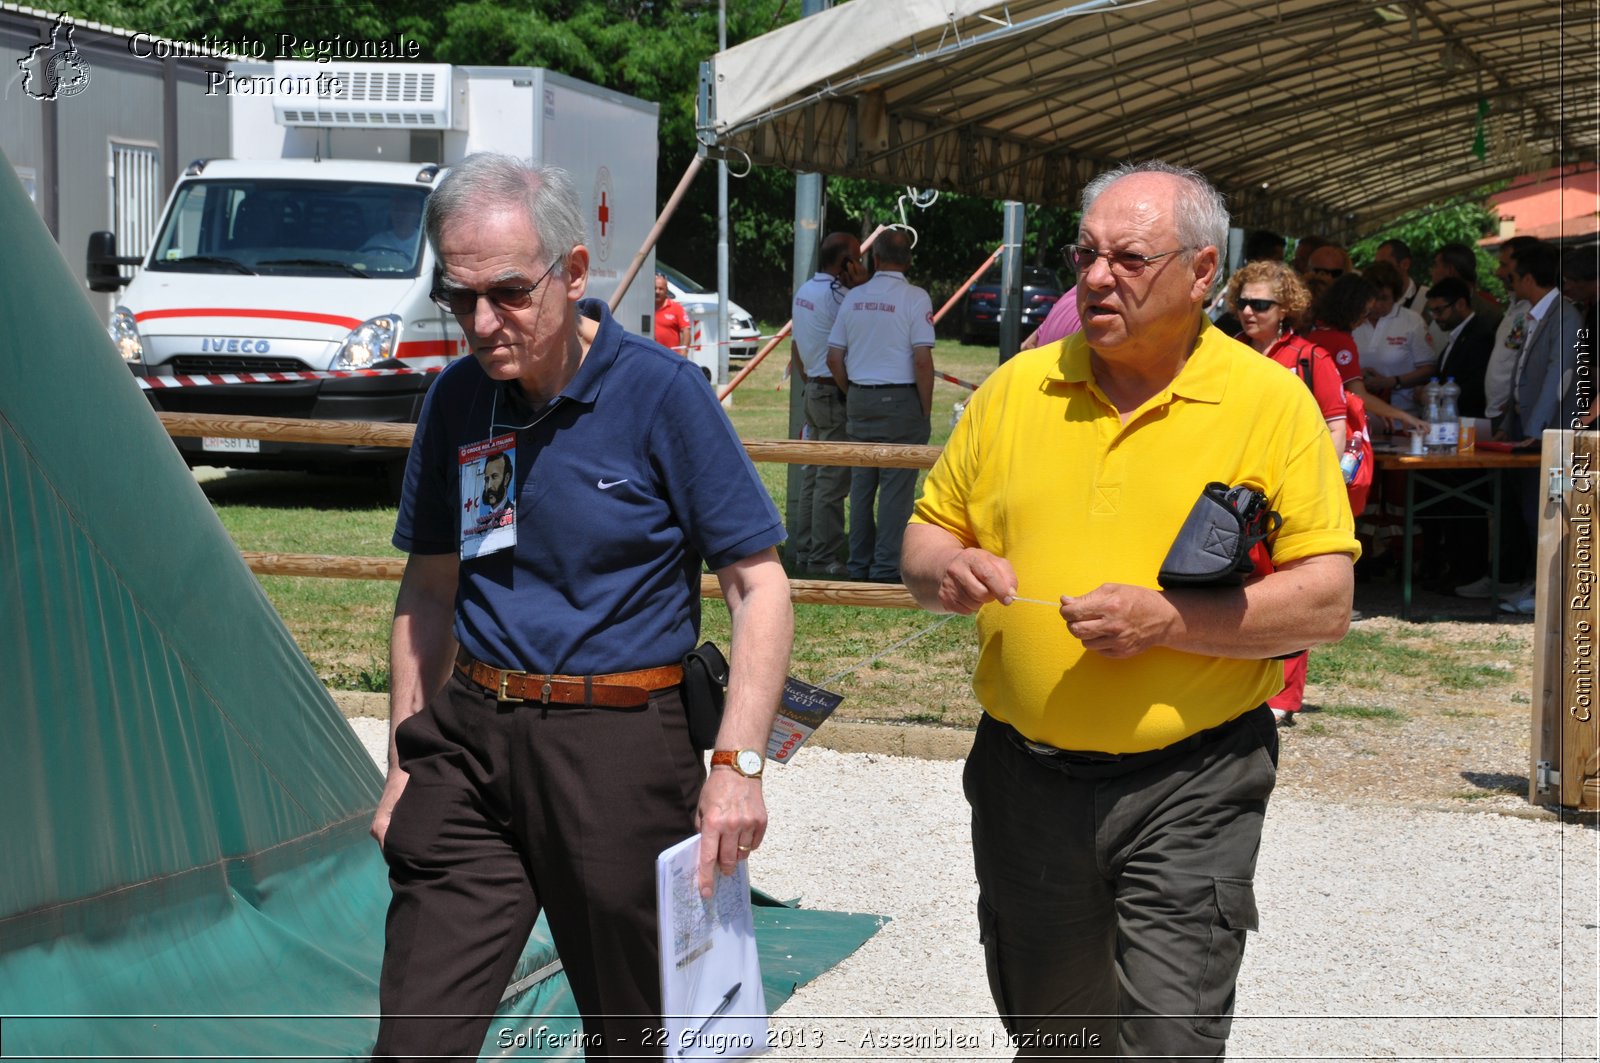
x,y
292,228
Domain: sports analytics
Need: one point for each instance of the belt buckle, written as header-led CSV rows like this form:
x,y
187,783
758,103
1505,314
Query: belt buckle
x,y
505,695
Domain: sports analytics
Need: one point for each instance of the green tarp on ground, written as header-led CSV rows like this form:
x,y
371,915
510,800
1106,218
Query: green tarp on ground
x,y
186,869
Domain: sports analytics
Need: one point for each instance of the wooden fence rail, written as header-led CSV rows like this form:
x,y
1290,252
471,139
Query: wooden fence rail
x,y
289,429
300,430
808,591
370,434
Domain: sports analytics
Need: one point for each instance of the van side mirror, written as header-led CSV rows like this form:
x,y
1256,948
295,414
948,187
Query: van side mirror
x,y
101,267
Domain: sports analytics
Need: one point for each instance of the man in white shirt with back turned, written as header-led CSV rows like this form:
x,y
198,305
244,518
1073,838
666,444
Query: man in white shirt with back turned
x,y
881,355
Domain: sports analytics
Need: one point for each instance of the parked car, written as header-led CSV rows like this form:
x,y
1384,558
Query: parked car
x,y
981,318
701,303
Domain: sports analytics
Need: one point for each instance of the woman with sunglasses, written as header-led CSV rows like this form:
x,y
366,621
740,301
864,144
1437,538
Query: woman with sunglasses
x,y
1269,298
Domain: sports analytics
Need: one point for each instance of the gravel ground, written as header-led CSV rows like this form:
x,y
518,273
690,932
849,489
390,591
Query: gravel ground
x,y
1387,931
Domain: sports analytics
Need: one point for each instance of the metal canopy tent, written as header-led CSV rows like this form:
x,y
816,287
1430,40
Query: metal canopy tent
x,y
1326,116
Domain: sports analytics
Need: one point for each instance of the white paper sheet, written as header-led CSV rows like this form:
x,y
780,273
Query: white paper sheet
x,y
712,1001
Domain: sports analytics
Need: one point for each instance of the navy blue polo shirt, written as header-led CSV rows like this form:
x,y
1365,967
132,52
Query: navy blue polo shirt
x,y
625,483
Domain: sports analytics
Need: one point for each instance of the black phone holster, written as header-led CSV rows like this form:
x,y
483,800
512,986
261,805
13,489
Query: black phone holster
x,y
705,688
1212,548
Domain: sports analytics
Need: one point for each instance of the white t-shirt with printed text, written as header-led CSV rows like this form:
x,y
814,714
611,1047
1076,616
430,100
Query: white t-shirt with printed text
x,y
878,325
1396,345
816,305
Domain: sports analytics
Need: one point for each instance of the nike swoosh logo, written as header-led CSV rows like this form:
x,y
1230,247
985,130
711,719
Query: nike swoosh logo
x,y
608,486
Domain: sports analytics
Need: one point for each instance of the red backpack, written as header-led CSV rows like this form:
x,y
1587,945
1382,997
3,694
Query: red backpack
x,y
1356,461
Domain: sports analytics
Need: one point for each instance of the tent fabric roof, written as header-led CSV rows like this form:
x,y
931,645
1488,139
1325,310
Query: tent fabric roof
x,y
1330,116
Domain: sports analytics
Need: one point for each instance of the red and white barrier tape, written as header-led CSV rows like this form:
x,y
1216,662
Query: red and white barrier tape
x,y
747,341
200,380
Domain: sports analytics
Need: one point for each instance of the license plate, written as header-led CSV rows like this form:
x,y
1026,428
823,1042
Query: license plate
x,y
221,445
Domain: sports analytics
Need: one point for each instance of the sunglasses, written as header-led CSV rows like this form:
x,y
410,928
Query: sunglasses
x,y
1260,306
463,302
1122,263
1335,272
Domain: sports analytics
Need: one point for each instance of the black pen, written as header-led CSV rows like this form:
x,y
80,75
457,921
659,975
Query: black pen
x,y
727,1001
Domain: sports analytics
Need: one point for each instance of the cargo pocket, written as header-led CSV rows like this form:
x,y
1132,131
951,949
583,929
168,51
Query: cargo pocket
x,y
989,938
1235,914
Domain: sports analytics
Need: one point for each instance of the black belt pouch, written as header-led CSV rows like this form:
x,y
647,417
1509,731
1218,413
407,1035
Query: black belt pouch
x,y
705,688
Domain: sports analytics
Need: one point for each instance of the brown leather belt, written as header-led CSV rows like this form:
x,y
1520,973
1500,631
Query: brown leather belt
x,y
618,690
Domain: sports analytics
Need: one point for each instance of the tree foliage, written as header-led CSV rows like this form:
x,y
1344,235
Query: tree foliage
x,y
263,20
653,49
646,48
1429,229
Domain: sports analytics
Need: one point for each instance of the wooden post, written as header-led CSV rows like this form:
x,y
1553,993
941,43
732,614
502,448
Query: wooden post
x,y
967,285
1566,658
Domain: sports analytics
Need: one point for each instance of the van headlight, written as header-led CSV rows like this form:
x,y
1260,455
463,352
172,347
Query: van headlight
x,y
374,340
124,330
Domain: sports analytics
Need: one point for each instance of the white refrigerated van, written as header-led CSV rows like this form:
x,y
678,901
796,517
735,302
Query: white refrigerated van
x,y
300,257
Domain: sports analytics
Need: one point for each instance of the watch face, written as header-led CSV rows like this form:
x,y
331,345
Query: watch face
x,y
749,761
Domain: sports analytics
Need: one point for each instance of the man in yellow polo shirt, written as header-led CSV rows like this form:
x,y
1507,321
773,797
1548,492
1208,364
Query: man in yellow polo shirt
x,y
1121,771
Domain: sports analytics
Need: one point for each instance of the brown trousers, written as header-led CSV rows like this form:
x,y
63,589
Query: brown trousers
x,y
511,808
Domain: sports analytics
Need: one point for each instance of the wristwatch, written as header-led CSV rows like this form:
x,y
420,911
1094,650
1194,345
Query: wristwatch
x,y
746,762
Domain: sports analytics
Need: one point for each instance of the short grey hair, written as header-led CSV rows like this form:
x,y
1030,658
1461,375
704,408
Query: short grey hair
x,y
1202,215
486,181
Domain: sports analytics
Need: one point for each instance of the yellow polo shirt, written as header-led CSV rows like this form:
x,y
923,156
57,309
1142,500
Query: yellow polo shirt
x,y
1041,471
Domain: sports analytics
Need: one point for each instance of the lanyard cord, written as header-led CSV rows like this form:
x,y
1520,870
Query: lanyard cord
x,y
494,413
930,629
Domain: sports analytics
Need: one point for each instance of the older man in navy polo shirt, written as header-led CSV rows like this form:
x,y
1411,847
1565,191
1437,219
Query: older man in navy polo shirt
x,y
540,756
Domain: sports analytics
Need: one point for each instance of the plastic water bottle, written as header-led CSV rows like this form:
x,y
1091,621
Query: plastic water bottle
x,y
1350,464
1449,416
1430,414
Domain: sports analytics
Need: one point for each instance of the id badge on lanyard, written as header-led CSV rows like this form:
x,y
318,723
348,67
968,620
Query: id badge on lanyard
x,y
488,496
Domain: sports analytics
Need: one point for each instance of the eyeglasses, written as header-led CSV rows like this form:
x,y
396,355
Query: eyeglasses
x,y
1260,306
463,302
1122,263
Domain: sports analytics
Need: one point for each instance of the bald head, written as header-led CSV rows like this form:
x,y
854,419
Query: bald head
x,y
1199,215
836,247
1140,297
892,249
1330,260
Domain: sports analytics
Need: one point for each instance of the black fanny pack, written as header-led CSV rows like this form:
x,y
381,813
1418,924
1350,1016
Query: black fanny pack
x,y
1212,548
705,688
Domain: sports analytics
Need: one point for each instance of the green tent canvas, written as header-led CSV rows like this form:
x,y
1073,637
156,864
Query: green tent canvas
x,y
187,866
